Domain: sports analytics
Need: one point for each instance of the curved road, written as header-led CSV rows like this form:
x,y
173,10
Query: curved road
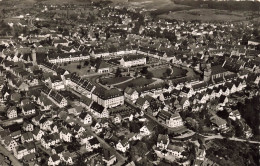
x,y
210,137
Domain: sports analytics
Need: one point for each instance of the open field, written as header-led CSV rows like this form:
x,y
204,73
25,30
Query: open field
x,y
205,15
177,72
156,6
136,83
72,67
114,80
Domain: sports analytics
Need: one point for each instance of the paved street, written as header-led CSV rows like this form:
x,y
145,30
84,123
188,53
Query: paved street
x,y
15,162
232,138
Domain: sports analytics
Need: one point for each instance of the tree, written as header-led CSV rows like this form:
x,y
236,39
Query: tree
x,y
255,32
215,33
78,66
149,75
118,73
168,71
86,63
147,58
144,70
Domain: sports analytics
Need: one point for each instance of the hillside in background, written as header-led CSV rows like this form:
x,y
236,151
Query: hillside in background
x,y
223,5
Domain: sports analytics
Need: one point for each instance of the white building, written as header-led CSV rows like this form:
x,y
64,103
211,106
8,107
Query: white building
x,y
133,60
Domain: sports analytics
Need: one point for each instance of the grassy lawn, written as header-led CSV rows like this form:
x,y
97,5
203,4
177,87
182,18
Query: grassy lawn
x,y
136,82
114,80
72,67
177,72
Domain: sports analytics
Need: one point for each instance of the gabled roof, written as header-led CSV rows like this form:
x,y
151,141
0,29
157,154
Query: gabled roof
x,y
96,107
55,157
94,141
27,136
83,115
129,90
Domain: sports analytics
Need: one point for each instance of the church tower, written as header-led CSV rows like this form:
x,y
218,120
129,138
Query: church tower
x,y
34,56
207,73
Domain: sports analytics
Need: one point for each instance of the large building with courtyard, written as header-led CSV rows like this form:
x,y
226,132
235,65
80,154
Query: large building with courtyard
x,y
133,60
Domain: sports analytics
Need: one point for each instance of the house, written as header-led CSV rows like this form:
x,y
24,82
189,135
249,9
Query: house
x,y
78,129
45,123
165,96
67,158
184,102
30,146
174,150
231,86
123,145
58,150
66,135
96,127
117,119
85,117
218,123
54,128
146,130
142,103
133,60
223,100
92,144
85,137
44,102
11,112
54,160
58,99
26,137
108,98
48,140
131,94
29,158
162,141
108,157
102,67
27,126
37,133
56,82
20,151
9,143
28,109
235,115
187,92
36,119
175,121
99,111
225,90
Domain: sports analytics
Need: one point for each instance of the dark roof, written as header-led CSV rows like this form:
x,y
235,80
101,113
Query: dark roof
x,y
96,107
107,94
218,69
83,115
59,149
93,141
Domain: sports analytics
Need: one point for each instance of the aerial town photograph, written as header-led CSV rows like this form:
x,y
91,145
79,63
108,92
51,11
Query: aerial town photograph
x,y
129,82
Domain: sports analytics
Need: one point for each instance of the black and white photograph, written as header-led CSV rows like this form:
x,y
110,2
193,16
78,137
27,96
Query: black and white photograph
x,y
129,82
